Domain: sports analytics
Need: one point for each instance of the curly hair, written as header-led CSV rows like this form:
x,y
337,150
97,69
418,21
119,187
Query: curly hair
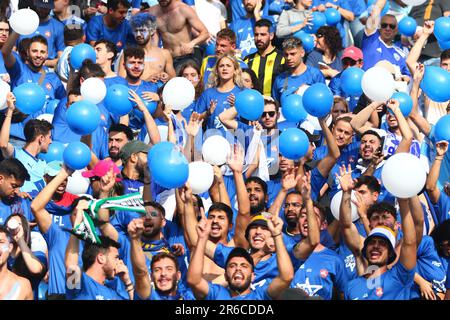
x,y
332,39
214,80
143,20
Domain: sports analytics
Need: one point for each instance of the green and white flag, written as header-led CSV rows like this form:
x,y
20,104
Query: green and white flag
x,y
130,202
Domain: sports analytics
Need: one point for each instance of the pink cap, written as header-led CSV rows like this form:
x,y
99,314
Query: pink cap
x,y
352,53
101,168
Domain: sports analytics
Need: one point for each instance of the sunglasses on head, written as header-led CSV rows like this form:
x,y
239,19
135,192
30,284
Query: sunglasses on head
x,y
391,25
270,113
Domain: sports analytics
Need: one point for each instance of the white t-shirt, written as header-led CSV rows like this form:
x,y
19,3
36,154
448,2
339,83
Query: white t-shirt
x,y
211,13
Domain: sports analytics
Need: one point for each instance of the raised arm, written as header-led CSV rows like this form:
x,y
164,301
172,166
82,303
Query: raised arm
x,y
6,147
43,218
195,280
415,116
405,130
359,121
306,246
374,19
34,266
8,57
416,50
228,118
73,246
326,164
218,191
417,215
408,253
288,181
285,268
433,176
150,124
106,185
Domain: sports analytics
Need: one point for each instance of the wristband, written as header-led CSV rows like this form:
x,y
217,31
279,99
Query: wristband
x,y
439,158
128,284
273,236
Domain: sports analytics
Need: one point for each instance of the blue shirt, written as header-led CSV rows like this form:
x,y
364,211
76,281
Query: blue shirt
x,y
208,66
335,86
115,80
182,294
394,284
53,31
374,50
120,35
3,70
15,205
443,207
320,273
316,56
238,10
346,254
35,168
91,290
286,81
218,292
245,36
137,117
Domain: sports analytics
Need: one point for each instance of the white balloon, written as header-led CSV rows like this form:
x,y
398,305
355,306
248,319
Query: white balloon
x,y
336,204
178,93
378,84
4,90
45,116
24,21
414,2
403,175
77,184
215,150
201,176
93,90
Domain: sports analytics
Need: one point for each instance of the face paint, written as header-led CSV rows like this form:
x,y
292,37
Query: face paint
x,y
130,66
4,248
144,32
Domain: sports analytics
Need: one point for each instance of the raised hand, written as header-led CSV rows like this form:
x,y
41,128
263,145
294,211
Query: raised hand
x,y
218,176
428,27
419,73
393,105
212,106
289,180
345,178
194,125
136,228
231,99
275,224
107,181
306,187
122,271
136,99
236,158
441,148
150,96
203,228
177,249
360,205
11,101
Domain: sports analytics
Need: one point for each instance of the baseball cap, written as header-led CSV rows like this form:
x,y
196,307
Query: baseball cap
x,y
53,168
240,252
385,233
308,128
49,4
258,220
101,168
133,147
353,53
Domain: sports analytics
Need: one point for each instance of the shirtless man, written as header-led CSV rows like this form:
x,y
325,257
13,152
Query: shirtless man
x,y
12,287
158,62
177,24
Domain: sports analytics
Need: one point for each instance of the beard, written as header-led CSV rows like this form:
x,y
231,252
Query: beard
x,y
261,206
238,288
172,287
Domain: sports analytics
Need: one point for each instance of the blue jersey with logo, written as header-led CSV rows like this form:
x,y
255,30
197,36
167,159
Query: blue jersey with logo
x,y
346,254
394,284
15,205
53,31
182,294
35,168
136,116
90,289
374,50
321,272
287,82
120,35
218,292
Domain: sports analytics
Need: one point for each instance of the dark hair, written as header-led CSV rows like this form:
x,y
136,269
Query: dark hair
x,y
74,91
22,49
370,181
34,128
2,17
91,250
219,206
259,181
255,80
72,32
89,69
371,132
114,4
4,229
119,127
25,226
445,54
192,64
381,207
227,34
157,206
199,201
110,47
332,38
133,52
240,252
164,255
441,233
38,38
322,210
264,23
292,43
344,119
15,168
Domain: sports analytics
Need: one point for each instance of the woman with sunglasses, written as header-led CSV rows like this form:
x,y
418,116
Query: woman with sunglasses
x,y
328,52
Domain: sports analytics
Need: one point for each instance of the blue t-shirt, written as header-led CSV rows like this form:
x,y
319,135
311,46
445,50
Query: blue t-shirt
x,y
115,80
182,294
443,207
35,168
346,254
245,35
90,289
287,82
335,86
15,205
218,292
316,56
120,35
136,116
394,284
238,11
53,31
320,273
3,71
374,50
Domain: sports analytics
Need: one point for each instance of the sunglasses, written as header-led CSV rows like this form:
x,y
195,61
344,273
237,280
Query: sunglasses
x,y
348,62
270,113
390,25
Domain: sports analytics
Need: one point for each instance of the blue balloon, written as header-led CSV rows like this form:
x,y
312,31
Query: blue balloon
x,y
307,40
294,143
157,149
30,97
318,20
436,84
117,100
444,45
80,53
351,81
292,108
249,104
318,100
406,102
151,107
210,49
407,26
284,125
385,10
170,169
54,152
442,129
442,29
332,16
83,117
77,155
